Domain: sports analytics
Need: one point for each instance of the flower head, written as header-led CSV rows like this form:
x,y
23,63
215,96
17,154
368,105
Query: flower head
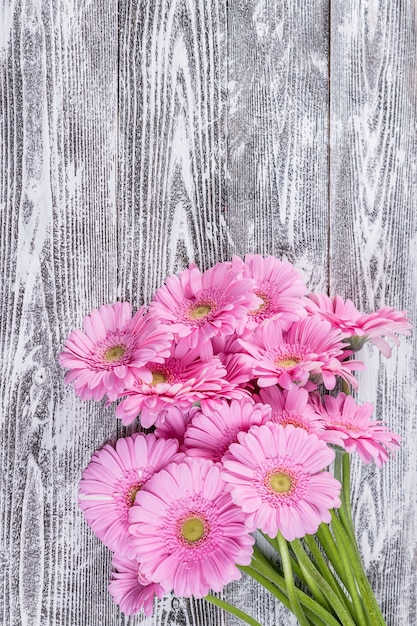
x,y
180,380
187,532
112,480
199,306
172,423
279,287
130,589
309,347
360,327
212,431
294,407
112,350
369,438
275,475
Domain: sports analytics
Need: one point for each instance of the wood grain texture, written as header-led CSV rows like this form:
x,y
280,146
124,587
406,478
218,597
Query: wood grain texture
x,y
137,137
277,127
172,67
171,182
58,233
277,132
373,232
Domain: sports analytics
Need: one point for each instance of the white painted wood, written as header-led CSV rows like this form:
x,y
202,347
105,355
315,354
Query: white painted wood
x,y
135,139
373,231
58,250
277,132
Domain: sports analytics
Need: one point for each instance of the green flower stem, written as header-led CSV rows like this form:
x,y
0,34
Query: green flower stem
x,y
275,584
295,567
342,473
279,592
329,546
310,573
345,515
347,557
367,594
232,609
324,570
321,590
289,580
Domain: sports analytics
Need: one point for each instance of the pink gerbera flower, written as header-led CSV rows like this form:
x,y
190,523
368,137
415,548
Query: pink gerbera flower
x,y
181,380
360,327
294,407
309,347
199,306
369,438
212,431
238,371
172,423
275,475
113,350
112,479
130,589
279,287
188,534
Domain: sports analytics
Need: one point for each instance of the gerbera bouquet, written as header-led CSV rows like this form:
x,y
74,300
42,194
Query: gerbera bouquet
x,y
243,380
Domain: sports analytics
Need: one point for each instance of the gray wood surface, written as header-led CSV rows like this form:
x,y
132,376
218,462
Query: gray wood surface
x,y
137,136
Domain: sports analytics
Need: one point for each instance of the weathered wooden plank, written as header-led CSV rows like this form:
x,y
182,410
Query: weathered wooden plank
x,y
172,57
223,125
373,261
57,260
277,129
277,166
171,166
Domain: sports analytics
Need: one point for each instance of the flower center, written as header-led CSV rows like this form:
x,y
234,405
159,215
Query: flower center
x,y
158,377
280,482
292,417
131,494
115,353
200,311
261,307
287,361
193,529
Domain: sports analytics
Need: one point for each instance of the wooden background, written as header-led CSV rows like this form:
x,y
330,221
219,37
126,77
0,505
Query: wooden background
x,y
139,135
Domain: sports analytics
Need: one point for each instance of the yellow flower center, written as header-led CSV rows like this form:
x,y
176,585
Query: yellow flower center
x,y
200,311
287,363
192,529
115,353
280,482
158,377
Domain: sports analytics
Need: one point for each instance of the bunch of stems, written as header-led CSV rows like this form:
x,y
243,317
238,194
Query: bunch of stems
x,y
320,578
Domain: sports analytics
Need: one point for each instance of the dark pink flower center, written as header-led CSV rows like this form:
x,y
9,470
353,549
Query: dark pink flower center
x,y
171,372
